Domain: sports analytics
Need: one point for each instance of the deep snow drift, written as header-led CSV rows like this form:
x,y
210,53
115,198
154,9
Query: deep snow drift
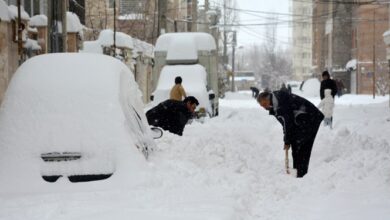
x,y
232,167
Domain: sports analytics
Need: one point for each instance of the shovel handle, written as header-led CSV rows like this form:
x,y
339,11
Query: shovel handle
x,y
286,162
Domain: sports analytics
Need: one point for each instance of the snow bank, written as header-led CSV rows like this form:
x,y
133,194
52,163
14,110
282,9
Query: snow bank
x,y
38,21
13,13
194,83
75,102
92,47
4,12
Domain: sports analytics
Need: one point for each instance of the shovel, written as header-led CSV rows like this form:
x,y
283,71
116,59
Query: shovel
x,y
286,162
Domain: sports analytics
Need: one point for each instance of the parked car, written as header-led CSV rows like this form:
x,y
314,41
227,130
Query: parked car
x,y
194,83
72,117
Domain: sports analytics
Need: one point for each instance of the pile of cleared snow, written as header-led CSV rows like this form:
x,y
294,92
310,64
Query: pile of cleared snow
x,y
349,99
38,21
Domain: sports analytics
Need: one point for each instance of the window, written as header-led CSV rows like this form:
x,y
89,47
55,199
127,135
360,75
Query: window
x,y
111,3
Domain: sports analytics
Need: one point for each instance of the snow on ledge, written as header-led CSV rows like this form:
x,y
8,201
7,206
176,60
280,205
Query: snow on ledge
x,y
351,64
73,24
38,21
106,38
13,13
4,12
386,37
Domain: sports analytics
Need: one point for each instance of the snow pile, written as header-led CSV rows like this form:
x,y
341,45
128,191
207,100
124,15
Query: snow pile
x,y
194,83
38,21
4,13
232,167
13,13
85,103
73,24
311,88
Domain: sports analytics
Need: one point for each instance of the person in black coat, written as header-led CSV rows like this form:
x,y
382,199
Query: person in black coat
x,y
255,91
327,83
300,120
172,115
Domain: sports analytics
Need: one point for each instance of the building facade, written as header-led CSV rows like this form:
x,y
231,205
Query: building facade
x,y
302,39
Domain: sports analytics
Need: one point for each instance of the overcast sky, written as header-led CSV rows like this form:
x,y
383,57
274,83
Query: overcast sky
x,y
255,34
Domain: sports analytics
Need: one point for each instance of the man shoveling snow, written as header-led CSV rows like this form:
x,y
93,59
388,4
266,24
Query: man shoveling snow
x,y
300,120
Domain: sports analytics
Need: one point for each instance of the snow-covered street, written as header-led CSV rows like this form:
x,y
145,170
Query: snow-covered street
x,y
232,167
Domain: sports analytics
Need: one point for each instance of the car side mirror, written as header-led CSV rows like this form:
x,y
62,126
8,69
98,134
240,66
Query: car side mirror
x,y
211,96
156,132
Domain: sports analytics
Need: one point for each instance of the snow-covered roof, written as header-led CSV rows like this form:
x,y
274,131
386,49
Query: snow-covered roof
x,y
184,47
13,12
38,21
194,83
351,64
202,41
106,38
73,24
4,12
32,44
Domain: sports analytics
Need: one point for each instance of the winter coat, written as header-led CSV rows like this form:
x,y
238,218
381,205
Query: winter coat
x,y
327,104
328,84
299,117
177,92
169,115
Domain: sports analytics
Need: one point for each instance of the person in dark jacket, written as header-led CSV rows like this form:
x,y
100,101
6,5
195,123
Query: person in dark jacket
x,y
300,120
172,115
255,91
327,83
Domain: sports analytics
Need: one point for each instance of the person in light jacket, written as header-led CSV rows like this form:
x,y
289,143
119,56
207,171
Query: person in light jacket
x,y
327,105
177,92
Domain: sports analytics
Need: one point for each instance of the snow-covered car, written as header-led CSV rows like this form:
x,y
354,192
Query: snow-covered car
x,y
194,83
72,117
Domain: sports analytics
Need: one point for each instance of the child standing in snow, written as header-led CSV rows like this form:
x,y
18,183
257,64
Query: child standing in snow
x,y
327,105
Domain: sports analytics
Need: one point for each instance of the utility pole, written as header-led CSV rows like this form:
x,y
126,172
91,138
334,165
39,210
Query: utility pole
x,y
194,16
224,60
374,62
162,17
234,44
114,40
64,9
20,29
